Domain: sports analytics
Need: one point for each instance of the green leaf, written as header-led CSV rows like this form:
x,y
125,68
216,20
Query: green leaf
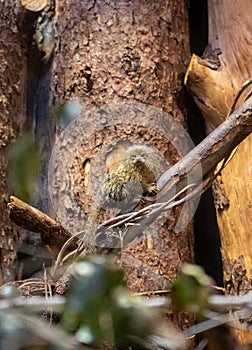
x,y
192,289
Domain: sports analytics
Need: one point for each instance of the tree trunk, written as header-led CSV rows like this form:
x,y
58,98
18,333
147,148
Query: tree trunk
x,y
12,96
25,92
214,80
115,52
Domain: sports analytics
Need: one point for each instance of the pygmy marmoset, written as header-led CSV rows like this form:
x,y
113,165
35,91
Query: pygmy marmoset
x,y
133,179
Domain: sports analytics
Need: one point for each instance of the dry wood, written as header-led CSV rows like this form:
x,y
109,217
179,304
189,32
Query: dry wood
x,y
53,234
214,80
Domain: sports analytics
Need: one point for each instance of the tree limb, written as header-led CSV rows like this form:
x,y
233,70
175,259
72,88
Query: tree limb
x,y
53,234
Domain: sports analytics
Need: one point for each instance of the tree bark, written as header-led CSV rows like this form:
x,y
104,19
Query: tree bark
x,y
126,52
214,80
12,96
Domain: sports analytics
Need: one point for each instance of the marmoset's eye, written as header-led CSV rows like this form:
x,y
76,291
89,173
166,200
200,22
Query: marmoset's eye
x,y
143,155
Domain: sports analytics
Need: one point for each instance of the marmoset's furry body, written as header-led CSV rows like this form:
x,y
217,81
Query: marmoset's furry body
x,y
134,177
123,188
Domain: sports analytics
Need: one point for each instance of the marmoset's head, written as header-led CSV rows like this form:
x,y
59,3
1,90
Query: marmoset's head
x,y
141,155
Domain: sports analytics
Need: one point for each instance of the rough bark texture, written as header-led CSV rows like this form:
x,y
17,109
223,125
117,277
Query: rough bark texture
x,y
135,51
12,91
119,51
24,103
53,235
214,80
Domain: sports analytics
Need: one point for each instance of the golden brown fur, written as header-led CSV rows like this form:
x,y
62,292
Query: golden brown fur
x,y
124,186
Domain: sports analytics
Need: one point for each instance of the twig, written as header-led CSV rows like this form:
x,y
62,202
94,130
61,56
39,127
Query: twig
x,y
64,249
34,304
244,86
231,302
216,320
128,218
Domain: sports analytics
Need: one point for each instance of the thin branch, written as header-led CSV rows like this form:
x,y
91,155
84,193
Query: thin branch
x,y
225,302
244,86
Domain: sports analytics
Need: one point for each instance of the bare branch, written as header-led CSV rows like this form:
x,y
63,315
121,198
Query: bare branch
x,y
53,234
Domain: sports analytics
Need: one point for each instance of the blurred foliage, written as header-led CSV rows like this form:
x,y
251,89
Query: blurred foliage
x,y
100,313
191,290
97,310
24,163
100,308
